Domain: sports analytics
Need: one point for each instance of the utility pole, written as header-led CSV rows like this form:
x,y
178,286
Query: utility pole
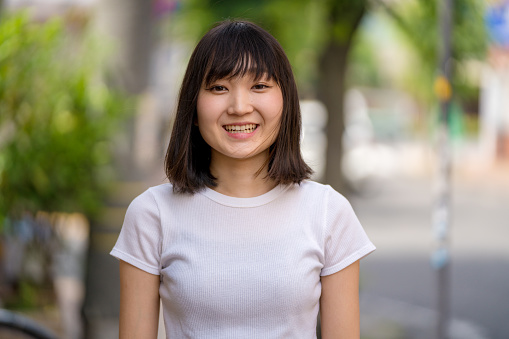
x,y
442,214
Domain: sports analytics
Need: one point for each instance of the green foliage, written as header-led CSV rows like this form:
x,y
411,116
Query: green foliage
x,y
296,25
27,297
363,67
56,119
341,19
418,22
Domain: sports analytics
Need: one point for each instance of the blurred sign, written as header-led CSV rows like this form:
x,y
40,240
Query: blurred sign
x,y
497,22
442,88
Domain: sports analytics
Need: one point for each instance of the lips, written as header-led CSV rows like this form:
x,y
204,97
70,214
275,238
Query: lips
x,y
247,128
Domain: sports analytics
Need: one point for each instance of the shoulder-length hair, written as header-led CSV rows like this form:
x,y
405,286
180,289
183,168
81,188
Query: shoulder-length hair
x,y
230,49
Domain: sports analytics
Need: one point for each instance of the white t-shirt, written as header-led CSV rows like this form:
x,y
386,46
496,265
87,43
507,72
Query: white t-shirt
x,y
241,267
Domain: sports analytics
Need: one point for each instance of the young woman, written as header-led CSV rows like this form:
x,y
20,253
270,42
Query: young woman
x,y
239,244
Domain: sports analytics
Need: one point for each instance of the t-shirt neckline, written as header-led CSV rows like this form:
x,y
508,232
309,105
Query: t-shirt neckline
x,y
244,202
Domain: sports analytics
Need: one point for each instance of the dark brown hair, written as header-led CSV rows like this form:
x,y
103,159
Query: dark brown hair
x,y
230,49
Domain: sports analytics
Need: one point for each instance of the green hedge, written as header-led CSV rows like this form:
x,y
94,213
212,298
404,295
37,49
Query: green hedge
x,y
56,119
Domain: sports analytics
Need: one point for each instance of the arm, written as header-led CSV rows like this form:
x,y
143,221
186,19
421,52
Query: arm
x,y
339,304
139,303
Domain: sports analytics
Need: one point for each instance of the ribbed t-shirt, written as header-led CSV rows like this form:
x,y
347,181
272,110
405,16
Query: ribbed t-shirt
x,y
241,267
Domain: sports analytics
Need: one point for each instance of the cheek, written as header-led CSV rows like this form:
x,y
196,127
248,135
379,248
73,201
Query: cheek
x,y
276,111
209,107
206,119
203,112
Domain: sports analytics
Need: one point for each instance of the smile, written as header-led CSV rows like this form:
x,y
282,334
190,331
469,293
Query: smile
x,y
248,128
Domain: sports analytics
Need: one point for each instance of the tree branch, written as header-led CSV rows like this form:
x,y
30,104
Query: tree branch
x,y
398,18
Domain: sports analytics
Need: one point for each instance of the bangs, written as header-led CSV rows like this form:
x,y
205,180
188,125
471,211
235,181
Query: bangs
x,y
242,52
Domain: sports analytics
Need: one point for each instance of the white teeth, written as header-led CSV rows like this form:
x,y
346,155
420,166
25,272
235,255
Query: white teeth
x,y
249,128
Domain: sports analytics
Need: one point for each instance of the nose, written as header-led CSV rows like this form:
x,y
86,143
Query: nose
x,y
240,102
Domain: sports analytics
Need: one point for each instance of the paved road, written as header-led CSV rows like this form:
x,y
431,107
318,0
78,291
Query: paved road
x,y
399,286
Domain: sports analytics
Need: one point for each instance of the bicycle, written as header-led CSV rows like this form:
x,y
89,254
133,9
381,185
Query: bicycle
x,y
17,324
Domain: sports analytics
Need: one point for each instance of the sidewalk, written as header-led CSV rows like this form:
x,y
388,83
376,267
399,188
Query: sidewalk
x,y
398,284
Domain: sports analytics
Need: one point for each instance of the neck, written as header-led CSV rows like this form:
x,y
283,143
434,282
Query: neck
x,y
239,177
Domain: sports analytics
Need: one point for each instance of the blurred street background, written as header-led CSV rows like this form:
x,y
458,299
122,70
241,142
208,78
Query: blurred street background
x,y
405,107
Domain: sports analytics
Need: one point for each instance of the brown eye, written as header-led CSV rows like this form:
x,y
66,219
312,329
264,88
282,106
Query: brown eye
x,y
260,86
216,88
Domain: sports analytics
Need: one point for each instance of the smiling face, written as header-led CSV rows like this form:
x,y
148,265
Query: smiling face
x,y
234,117
239,117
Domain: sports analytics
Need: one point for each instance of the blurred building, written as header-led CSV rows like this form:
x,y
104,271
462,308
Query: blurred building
x,y
494,100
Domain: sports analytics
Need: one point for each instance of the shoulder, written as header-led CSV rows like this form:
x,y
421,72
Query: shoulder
x,y
320,192
162,199
151,198
332,205
160,191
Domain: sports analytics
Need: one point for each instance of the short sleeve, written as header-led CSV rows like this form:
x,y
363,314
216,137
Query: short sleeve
x,y
140,239
345,241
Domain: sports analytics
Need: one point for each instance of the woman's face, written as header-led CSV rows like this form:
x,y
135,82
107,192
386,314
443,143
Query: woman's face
x,y
239,118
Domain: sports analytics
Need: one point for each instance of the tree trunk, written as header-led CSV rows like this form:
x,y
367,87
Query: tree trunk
x,y
344,19
331,90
